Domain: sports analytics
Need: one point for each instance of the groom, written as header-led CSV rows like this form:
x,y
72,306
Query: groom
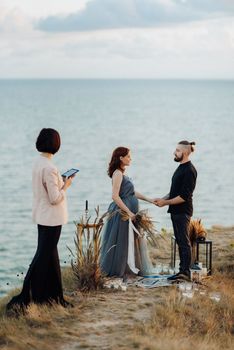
x,y
181,206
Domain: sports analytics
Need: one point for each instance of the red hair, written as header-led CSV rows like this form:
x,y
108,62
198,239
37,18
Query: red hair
x,y
115,162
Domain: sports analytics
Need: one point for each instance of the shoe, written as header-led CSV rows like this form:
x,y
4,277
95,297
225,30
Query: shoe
x,y
173,277
179,276
184,276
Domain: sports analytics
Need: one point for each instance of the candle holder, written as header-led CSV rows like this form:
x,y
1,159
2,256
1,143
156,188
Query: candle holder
x,y
204,254
195,273
86,210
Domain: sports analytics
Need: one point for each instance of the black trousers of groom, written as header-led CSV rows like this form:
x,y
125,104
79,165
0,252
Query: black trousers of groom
x,y
180,224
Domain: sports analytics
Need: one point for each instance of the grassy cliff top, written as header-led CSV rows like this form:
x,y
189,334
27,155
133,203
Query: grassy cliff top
x,y
157,318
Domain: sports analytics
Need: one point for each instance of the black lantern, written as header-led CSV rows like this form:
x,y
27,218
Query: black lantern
x,y
204,254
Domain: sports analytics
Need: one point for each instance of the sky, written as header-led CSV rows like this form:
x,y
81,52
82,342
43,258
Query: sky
x,y
146,39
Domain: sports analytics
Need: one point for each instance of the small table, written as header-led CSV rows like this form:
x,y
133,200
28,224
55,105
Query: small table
x,y
208,244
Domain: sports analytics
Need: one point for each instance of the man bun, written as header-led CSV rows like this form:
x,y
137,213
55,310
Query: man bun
x,y
187,143
192,144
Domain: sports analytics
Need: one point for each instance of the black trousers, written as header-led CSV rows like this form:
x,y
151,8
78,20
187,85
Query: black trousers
x,y
43,283
180,224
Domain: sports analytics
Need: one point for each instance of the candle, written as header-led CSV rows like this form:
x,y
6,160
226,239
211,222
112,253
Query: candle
x,y
86,205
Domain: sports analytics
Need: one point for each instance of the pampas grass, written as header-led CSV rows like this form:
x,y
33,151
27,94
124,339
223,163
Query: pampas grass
x,y
196,232
86,267
144,224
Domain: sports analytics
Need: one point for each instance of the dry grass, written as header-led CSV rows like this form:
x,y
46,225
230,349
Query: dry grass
x,y
201,323
86,267
42,327
156,319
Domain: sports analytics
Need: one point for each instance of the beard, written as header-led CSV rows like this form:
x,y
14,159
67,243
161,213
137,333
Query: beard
x,y
178,159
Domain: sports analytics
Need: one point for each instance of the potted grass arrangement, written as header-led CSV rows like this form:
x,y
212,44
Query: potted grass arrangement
x,y
86,262
197,232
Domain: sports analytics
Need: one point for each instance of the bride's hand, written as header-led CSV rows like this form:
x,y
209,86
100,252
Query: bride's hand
x,y
132,216
151,200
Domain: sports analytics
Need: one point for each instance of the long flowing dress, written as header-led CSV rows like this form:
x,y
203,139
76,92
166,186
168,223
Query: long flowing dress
x,y
42,283
123,250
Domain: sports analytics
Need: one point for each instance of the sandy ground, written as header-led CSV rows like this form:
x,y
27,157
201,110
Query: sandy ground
x,y
112,319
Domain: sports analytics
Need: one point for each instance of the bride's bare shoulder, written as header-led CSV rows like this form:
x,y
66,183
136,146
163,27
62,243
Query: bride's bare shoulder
x,y
117,174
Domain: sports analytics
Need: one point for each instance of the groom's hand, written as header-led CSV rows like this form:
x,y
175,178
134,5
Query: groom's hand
x,y
161,202
155,200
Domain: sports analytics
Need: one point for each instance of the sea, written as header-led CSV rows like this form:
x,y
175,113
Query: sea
x,y
94,117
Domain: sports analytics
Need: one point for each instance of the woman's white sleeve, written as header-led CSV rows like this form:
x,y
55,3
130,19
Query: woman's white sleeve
x,y
55,194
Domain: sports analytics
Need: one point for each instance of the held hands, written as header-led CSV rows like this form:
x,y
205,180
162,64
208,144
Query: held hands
x,y
157,201
160,202
151,200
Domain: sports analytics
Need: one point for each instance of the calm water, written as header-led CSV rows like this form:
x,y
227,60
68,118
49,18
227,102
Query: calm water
x,y
93,118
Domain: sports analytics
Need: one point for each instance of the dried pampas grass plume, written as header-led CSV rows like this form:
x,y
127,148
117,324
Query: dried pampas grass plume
x,y
196,232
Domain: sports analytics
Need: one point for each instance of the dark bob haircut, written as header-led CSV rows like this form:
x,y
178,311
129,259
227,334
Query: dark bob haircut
x,y
48,141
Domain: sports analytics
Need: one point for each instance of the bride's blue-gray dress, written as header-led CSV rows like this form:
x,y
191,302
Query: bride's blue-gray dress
x,y
115,238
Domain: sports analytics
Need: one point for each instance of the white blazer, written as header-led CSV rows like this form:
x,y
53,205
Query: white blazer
x,y
49,200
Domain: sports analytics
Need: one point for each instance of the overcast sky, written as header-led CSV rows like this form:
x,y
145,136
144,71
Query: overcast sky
x,y
117,39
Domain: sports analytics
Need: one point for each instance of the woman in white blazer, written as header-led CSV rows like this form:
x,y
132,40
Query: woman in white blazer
x,y
43,282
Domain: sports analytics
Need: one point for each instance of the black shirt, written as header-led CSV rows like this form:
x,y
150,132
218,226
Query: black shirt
x,y
183,184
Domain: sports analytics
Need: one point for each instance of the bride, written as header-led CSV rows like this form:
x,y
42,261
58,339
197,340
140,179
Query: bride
x,y
123,251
